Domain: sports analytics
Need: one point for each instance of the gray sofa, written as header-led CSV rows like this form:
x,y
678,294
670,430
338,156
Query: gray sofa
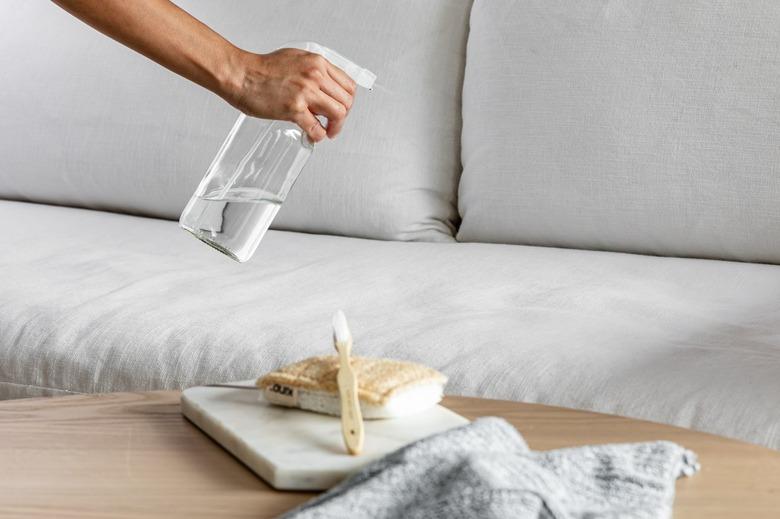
x,y
647,133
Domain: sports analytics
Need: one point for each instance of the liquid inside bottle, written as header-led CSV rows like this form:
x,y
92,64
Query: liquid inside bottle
x,y
234,223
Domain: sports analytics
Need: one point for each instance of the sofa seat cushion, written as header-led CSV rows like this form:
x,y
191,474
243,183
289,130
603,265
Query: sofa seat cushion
x,y
93,301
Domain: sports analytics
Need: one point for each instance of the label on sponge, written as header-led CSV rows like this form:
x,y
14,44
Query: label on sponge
x,y
280,394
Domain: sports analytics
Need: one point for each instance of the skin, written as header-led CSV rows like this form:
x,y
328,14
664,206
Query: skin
x,y
288,84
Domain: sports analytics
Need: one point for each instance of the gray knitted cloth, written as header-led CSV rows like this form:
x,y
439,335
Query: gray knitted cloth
x,y
485,469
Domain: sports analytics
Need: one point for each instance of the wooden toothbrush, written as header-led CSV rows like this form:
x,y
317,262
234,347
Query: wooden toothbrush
x,y
351,418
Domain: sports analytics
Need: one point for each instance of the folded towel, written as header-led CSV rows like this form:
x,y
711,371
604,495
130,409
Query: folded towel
x,y
486,470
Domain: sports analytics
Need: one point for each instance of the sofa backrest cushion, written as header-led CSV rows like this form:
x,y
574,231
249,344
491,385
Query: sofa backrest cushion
x,y
649,127
84,121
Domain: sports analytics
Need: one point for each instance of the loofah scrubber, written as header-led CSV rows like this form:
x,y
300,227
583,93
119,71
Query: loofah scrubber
x,y
386,388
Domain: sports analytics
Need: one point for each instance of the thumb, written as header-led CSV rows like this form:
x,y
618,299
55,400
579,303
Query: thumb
x,y
309,124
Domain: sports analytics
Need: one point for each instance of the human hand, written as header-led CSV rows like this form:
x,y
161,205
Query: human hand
x,y
292,85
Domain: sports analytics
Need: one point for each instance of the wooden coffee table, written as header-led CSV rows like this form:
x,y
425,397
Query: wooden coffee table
x,y
133,455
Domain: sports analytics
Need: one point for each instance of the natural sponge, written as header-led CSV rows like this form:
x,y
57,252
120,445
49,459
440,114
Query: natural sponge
x,y
386,388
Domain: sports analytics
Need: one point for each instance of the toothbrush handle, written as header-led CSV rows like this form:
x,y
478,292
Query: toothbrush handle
x,y
351,417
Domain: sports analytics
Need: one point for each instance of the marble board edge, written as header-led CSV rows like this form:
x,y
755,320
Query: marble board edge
x,y
195,414
196,407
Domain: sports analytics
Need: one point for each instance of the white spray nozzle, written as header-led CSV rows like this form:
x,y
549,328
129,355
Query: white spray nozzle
x,y
363,77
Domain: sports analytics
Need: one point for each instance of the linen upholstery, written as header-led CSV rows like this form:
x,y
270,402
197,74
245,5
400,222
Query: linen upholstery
x,y
87,122
632,126
92,301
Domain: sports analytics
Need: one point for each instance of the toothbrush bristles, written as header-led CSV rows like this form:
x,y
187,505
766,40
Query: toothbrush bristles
x,y
340,328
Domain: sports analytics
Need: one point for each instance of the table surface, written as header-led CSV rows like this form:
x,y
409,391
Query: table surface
x,y
133,455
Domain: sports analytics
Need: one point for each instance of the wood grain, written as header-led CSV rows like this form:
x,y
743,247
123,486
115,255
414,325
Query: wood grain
x,y
132,455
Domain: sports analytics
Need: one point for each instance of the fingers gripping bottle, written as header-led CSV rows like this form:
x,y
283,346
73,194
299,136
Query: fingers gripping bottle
x,y
252,174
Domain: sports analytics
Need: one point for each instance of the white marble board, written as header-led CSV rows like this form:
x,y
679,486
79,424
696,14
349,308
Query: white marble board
x,y
299,450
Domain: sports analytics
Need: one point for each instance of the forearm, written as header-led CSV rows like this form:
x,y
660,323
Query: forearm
x,y
287,84
168,35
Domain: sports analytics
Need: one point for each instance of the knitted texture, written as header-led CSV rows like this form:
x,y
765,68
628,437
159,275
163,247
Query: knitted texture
x,y
378,379
486,470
